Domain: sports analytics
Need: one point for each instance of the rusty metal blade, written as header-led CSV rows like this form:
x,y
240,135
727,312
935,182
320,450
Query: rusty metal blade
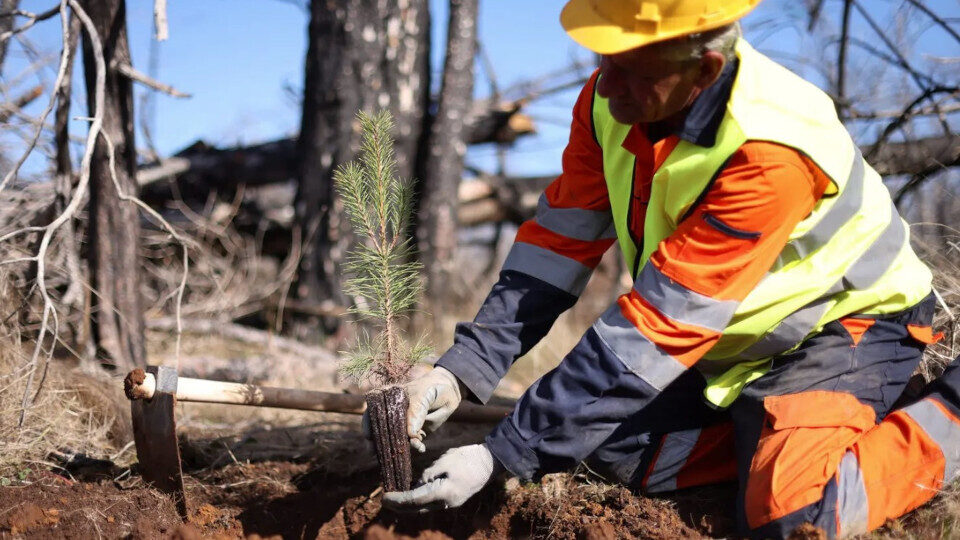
x,y
155,435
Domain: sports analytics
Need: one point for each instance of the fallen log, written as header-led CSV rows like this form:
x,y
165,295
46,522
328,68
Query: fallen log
x,y
243,334
912,157
201,168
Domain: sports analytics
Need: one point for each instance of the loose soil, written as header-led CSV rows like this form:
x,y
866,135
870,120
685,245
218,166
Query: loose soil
x,y
251,486
291,500
322,482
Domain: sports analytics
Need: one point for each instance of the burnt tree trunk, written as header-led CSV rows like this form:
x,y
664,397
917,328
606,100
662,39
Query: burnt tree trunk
x,y
114,228
362,55
437,225
388,426
74,295
7,20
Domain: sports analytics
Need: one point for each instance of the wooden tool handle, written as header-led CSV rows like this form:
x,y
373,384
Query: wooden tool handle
x,y
207,391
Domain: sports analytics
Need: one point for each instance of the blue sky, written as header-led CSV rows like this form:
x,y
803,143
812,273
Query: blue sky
x,y
242,61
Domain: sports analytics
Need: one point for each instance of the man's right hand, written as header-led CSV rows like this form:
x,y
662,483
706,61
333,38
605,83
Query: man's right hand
x,y
433,398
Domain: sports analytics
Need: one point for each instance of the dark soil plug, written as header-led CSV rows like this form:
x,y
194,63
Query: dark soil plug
x,y
388,425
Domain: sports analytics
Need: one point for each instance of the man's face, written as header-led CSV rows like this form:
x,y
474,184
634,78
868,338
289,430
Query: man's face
x,y
642,87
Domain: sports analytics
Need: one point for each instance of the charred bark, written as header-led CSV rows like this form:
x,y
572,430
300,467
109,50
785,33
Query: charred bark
x,y
114,225
388,427
74,296
437,226
7,18
362,55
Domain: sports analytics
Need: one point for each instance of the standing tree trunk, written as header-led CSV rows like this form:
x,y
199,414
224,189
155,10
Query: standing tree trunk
x,y
74,296
7,19
362,55
118,328
437,226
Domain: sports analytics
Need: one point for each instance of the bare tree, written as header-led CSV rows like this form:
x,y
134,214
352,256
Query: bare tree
x,y
114,229
437,226
362,55
64,180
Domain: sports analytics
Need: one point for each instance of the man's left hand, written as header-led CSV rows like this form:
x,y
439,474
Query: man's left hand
x,y
458,475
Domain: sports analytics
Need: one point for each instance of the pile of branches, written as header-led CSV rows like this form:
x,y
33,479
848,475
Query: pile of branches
x,y
229,278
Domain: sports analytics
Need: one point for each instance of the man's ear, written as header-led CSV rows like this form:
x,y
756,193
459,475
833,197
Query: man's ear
x,y
711,65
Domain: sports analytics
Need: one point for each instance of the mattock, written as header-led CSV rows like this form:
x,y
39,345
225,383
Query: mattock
x,y
154,393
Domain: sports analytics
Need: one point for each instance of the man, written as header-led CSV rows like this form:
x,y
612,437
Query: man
x,y
778,309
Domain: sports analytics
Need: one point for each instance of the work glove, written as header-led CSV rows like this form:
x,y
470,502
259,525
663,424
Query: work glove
x,y
433,398
458,475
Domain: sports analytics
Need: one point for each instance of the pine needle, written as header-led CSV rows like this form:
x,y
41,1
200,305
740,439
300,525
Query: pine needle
x,y
380,270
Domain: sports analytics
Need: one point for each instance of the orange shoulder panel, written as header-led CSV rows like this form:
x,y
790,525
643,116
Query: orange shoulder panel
x,y
735,234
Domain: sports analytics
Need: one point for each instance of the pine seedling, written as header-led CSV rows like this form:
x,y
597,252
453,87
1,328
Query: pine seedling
x,y
382,277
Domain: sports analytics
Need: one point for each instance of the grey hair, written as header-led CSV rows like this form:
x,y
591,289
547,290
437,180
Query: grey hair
x,y
694,46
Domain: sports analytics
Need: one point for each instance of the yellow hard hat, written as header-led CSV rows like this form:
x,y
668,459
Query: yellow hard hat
x,y
613,26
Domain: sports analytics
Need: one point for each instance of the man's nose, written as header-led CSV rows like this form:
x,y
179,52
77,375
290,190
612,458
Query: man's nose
x,y
610,82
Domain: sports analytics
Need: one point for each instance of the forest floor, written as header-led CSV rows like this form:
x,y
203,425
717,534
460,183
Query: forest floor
x,y
320,481
266,473
293,500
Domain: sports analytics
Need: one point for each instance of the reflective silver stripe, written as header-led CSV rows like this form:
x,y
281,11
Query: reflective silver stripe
x,y
680,303
879,256
852,504
846,206
636,351
862,274
791,330
673,455
541,263
576,223
943,430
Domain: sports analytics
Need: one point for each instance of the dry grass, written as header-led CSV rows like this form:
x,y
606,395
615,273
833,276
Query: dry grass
x,y
944,259
75,411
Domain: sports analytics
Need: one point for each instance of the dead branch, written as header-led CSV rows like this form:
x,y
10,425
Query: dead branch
x,y
34,18
20,102
940,22
841,98
61,71
36,64
166,168
162,32
68,213
905,115
128,71
901,60
915,181
917,112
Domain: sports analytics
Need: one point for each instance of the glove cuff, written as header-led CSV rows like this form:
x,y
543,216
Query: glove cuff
x,y
445,374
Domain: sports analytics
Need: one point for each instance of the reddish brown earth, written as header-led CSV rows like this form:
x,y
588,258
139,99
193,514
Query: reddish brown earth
x,y
304,500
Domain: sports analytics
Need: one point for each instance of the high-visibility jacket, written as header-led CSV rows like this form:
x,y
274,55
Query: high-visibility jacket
x,y
850,255
743,242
